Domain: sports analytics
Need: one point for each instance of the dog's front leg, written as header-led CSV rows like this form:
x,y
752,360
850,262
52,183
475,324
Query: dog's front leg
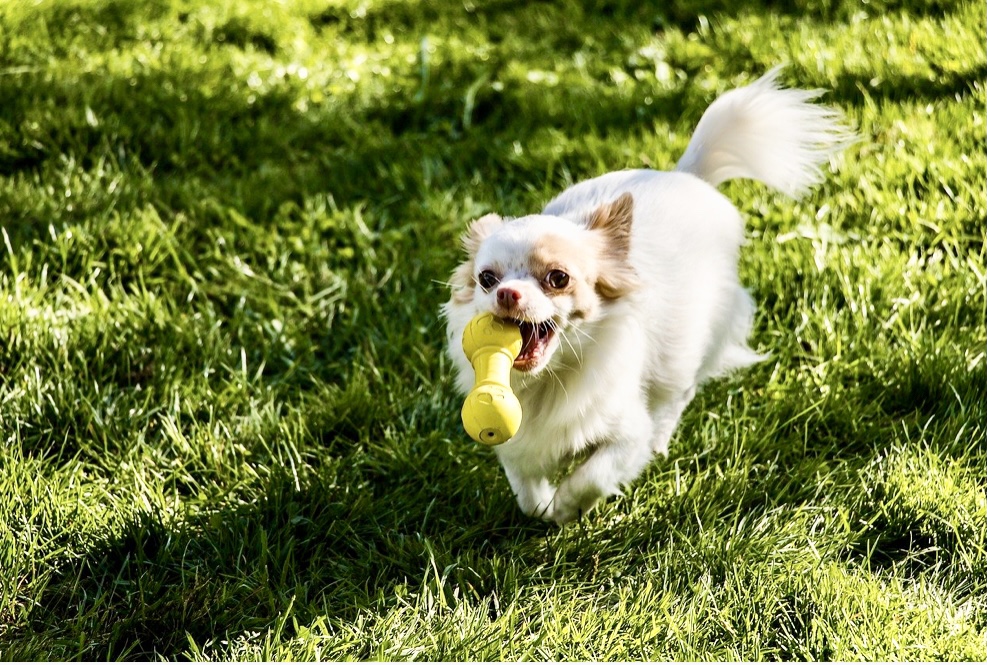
x,y
617,461
533,491
665,416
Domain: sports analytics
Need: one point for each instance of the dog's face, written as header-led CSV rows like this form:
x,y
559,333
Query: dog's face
x,y
545,273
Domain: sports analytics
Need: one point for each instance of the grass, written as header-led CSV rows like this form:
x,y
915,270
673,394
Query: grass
x,y
227,429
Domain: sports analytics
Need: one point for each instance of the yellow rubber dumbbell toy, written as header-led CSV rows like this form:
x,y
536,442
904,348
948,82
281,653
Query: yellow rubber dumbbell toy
x,y
491,412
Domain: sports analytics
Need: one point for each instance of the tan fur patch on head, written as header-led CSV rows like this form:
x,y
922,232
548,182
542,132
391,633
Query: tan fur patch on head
x,y
578,260
612,221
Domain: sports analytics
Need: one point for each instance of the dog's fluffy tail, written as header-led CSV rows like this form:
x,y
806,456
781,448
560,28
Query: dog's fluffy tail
x,y
766,133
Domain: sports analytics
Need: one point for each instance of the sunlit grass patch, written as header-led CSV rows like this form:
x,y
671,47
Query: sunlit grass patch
x,y
228,429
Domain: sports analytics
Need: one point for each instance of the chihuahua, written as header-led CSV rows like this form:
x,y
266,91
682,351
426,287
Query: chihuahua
x,y
627,295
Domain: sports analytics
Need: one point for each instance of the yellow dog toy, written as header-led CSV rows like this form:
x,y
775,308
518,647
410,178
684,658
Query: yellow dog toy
x,y
491,413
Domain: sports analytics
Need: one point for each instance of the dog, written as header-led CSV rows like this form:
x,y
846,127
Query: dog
x,y
626,291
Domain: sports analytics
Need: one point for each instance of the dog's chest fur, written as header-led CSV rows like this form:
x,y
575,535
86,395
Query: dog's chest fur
x,y
578,400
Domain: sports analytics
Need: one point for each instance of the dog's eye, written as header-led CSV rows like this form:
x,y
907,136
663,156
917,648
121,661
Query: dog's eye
x,y
487,279
557,279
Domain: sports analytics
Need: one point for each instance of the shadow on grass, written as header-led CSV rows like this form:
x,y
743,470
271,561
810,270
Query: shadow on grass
x,y
946,84
811,443
340,546
235,144
351,540
199,146
322,549
588,18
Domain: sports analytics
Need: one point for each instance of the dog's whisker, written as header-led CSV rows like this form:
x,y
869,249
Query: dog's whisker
x,y
558,379
584,334
565,338
575,352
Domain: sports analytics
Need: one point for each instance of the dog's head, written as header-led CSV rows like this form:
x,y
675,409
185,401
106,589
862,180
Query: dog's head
x,y
546,273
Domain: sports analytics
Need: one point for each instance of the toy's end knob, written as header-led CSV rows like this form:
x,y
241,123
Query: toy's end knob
x,y
491,414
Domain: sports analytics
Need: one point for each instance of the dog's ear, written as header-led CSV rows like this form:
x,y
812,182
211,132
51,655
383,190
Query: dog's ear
x,y
479,231
462,282
613,222
462,277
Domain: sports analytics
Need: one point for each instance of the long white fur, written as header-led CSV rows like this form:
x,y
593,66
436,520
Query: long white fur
x,y
765,133
616,385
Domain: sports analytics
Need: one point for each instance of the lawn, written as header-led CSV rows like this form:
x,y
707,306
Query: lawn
x,y
227,426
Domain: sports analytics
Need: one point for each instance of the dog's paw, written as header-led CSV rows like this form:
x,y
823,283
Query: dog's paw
x,y
543,511
571,502
660,447
535,499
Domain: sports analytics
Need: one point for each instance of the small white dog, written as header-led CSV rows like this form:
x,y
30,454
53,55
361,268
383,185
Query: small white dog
x,y
627,294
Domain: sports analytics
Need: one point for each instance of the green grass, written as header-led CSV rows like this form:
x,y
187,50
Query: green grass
x,y
227,428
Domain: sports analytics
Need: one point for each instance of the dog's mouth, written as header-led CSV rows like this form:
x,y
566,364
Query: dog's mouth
x,y
535,338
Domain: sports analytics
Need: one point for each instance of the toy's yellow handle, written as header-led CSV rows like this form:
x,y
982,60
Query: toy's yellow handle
x,y
491,412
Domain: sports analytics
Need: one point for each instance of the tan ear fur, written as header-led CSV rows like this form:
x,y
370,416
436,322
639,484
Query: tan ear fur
x,y
462,282
479,231
462,277
617,283
613,222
